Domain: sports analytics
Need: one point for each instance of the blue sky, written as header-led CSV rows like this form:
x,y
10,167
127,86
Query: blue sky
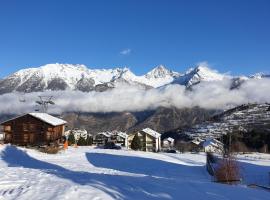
x,y
232,35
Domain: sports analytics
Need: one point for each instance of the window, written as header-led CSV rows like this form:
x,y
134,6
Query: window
x,y
25,127
7,128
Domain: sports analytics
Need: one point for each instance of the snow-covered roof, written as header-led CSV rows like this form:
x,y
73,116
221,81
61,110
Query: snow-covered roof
x,y
197,141
79,131
212,142
121,134
151,132
54,121
169,139
106,134
48,118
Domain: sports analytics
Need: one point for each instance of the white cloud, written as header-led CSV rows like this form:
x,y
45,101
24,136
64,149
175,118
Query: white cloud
x,y
126,98
125,52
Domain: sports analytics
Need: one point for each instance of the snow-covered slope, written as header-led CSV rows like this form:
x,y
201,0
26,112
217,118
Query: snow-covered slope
x,y
88,173
160,76
79,77
198,74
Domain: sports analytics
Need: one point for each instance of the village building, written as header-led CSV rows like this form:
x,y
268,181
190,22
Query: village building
x,y
212,145
119,138
78,133
102,138
168,143
187,146
33,129
150,140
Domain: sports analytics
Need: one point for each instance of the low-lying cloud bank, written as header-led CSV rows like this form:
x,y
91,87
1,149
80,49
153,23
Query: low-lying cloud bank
x,y
210,95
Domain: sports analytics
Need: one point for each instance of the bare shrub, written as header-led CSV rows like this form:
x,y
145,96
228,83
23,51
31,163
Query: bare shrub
x,y
227,171
50,150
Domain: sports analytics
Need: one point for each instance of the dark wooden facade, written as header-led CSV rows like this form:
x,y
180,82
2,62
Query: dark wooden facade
x,y
28,130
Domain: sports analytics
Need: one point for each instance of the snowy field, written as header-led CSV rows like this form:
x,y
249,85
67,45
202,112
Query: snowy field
x,y
87,173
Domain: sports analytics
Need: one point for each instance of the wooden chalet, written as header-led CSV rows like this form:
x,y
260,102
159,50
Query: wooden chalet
x,y
33,129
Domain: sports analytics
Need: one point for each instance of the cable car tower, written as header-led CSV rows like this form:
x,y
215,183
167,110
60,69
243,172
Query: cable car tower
x,y
44,102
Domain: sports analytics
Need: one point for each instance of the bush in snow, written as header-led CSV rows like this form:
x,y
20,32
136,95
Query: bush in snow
x,y
136,143
50,150
227,170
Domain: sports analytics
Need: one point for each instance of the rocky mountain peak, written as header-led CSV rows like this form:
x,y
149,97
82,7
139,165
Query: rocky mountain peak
x,y
260,75
160,72
199,73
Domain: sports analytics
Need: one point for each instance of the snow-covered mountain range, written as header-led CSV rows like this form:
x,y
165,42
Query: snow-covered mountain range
x,y
79,77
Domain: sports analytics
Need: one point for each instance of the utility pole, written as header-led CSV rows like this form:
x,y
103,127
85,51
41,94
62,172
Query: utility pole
x,y
230,143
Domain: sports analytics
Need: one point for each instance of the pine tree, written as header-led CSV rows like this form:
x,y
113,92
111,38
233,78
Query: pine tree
x,y
136,143
89,140
81,142
71,139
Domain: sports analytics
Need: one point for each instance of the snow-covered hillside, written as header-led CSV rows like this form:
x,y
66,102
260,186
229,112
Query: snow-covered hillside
x,y
244,118
87,173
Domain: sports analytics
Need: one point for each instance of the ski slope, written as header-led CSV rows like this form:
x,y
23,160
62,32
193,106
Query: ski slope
x,y
88,173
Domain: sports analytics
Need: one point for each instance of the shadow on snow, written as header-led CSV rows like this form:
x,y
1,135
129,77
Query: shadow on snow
x,y
128,187
147,166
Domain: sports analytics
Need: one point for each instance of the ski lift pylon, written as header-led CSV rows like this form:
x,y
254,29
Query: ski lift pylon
x,y
44,102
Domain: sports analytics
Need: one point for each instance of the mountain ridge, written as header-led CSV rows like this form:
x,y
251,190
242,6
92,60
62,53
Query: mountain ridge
x,y
80,77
